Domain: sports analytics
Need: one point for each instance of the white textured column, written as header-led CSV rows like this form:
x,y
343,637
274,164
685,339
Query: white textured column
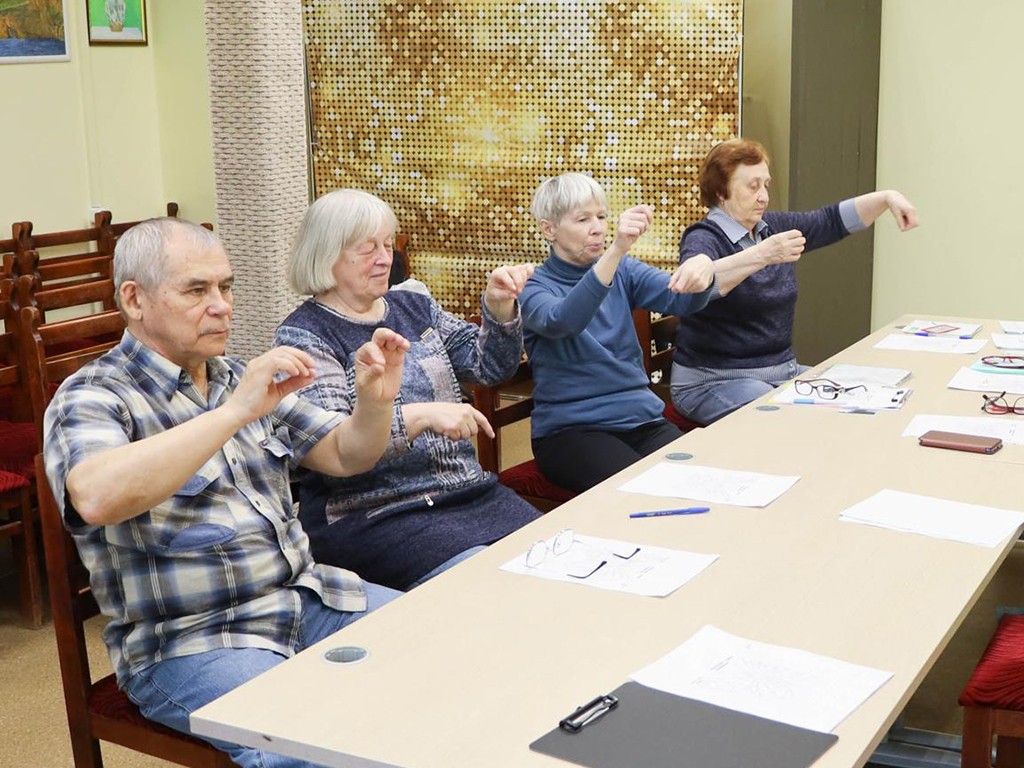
x,y
259,154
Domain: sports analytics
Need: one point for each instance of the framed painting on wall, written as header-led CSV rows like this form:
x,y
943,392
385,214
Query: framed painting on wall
x,y
33,31
117,22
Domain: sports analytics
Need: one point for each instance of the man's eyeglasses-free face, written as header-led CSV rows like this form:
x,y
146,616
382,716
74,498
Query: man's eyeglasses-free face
x,y
998,405
823,388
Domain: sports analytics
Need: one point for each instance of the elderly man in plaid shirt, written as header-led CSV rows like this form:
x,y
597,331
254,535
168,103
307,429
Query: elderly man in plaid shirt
x,y
171,466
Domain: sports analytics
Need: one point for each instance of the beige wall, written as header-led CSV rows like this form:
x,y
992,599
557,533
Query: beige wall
x,y
766,76
124,128
948,109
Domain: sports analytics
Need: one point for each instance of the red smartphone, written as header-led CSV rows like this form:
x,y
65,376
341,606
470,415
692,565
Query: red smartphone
x,y
958,442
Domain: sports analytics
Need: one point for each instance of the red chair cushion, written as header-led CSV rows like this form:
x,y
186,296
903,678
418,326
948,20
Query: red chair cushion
x,y
526,479
675,417
11,481
998,680
18,447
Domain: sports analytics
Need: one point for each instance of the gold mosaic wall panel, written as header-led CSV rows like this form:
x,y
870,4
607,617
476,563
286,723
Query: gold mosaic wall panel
x,y
454,112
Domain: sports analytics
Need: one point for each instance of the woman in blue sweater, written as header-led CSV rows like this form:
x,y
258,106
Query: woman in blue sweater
x,y
741,345
594,413
428,503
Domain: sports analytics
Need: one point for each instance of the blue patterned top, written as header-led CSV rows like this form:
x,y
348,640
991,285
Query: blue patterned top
x,y
421,504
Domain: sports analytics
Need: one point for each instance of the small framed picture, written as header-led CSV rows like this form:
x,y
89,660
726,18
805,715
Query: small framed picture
x,y
117,22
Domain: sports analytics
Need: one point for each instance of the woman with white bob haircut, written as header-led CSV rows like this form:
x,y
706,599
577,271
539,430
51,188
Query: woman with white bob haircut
x,y
594,413
428,503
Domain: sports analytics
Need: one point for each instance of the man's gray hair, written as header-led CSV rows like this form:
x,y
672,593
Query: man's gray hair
x,y
140,256
561,194
336,221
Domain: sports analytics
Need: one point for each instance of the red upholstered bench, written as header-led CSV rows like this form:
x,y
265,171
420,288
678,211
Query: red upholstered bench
x,y
993,700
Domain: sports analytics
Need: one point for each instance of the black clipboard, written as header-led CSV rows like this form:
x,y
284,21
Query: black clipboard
x,y
653,729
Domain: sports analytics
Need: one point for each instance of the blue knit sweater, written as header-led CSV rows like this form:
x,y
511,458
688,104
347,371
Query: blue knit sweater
x,y
581,342
752,326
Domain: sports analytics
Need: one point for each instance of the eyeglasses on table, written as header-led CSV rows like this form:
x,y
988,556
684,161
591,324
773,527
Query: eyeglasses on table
x,y
564,541
823,388
998,405
1013,362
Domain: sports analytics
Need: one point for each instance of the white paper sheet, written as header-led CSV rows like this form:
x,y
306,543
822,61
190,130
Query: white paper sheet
x,y
628,567
905,342
1012,326
717,486
976,381
786,685
1009,429
938,518
846,374
1009,340
872,397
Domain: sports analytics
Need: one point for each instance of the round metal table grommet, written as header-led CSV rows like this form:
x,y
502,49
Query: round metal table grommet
x,y
678,456
345,654
766,408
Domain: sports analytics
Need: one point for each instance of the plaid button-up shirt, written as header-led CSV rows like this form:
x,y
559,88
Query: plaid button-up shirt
x,y
217,564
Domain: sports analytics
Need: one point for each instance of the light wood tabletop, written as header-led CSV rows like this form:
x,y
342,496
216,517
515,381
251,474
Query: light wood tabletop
x,y
468,669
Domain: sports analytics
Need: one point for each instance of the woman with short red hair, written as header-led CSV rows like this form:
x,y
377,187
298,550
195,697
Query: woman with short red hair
x,y
740,346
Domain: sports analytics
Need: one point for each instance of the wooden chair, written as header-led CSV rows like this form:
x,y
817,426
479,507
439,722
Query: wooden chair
x,y
50,352
98,711
18,444
993,700
45,256
657,337
503,405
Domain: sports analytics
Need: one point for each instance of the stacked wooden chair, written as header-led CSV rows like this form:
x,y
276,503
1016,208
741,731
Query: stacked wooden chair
x,y
17,439
44,277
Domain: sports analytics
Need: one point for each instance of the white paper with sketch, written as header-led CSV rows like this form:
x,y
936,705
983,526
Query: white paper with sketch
x,y
908,343
1010,430
617,565
1012,326
717,486
976,381
787,685
1008,340
938,518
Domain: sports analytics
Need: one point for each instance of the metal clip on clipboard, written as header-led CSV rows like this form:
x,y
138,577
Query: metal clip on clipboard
x,y
588,713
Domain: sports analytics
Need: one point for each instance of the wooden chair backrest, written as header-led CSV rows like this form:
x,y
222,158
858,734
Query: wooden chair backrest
x,y
50,352
502,405
657,337
13,382
91,262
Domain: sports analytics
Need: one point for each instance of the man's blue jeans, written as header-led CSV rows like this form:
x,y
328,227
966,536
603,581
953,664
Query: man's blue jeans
x,y
169,691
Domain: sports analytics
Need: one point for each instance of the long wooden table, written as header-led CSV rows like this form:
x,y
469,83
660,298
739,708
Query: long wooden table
x,y
470,668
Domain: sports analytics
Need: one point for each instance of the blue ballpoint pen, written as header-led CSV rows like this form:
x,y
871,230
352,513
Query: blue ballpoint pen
x,y
663,512
939,336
